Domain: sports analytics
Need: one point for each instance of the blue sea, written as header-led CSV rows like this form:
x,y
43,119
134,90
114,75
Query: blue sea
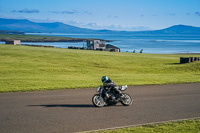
x,y
169,44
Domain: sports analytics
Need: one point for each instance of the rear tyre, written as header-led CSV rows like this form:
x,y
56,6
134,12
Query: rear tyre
x,y
126,100
97,100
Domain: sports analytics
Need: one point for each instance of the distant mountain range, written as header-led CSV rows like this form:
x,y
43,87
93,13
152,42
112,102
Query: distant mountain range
x,y
23,25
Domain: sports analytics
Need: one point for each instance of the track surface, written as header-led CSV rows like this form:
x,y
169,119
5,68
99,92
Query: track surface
x,y
66,111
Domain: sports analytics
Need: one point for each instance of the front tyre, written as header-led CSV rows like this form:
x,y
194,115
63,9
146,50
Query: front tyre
x,y
97,100
126,100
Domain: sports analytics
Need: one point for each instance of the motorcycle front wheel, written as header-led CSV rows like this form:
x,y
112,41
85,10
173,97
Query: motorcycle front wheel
x,y
126,100
97,100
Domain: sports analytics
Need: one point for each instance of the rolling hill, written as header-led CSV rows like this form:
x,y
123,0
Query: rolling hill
x,y
23,25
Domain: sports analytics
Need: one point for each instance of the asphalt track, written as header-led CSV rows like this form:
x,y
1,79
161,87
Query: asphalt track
x,y
66,111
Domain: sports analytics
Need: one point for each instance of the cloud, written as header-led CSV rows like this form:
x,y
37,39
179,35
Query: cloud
x,y
197,13
71,12
110,16
99,26
171,14
65,12
87,12
27,11
93,25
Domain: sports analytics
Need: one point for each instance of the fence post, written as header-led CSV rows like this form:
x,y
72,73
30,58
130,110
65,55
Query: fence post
x,y
191,59
182,60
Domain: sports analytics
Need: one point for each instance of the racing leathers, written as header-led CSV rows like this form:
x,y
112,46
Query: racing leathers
x,y
108,85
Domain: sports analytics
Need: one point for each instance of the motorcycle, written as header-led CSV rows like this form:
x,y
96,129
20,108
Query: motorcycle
x,y
111,97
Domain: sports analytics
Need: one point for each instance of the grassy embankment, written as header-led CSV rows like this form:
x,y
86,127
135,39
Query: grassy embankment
x,y
25,68
186,126
39,38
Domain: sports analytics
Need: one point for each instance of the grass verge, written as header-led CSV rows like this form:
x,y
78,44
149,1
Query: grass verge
x,y
185,126
24,68
39,38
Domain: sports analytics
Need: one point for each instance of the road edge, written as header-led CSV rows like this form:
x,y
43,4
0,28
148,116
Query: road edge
x,y
137,125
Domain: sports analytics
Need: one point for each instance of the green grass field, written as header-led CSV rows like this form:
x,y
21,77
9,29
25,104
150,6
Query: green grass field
x,y
25,68
39,38
186,126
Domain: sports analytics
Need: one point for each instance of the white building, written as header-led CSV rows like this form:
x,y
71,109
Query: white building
x,y
101,46
96,45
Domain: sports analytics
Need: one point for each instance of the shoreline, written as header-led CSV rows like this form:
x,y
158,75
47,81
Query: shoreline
x,y
155,45
49,46
42,38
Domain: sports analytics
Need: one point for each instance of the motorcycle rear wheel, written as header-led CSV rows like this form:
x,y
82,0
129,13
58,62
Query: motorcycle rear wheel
x,y
97,100
126,100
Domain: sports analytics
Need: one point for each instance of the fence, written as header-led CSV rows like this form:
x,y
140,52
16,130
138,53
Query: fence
x,y
188,59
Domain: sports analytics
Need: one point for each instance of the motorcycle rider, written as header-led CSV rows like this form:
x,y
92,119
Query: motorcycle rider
x,y
110,84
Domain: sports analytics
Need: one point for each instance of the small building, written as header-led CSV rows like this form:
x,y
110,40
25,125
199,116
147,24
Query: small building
x,y
101,46
96,45
112,48
14,42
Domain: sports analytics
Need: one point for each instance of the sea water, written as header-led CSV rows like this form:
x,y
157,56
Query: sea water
x,y
155,44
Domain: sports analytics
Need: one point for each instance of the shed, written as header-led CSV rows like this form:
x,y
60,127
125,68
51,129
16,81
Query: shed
x,y
14,42
112,48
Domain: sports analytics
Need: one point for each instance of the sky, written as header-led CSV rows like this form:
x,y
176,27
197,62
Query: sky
x,y
129,15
